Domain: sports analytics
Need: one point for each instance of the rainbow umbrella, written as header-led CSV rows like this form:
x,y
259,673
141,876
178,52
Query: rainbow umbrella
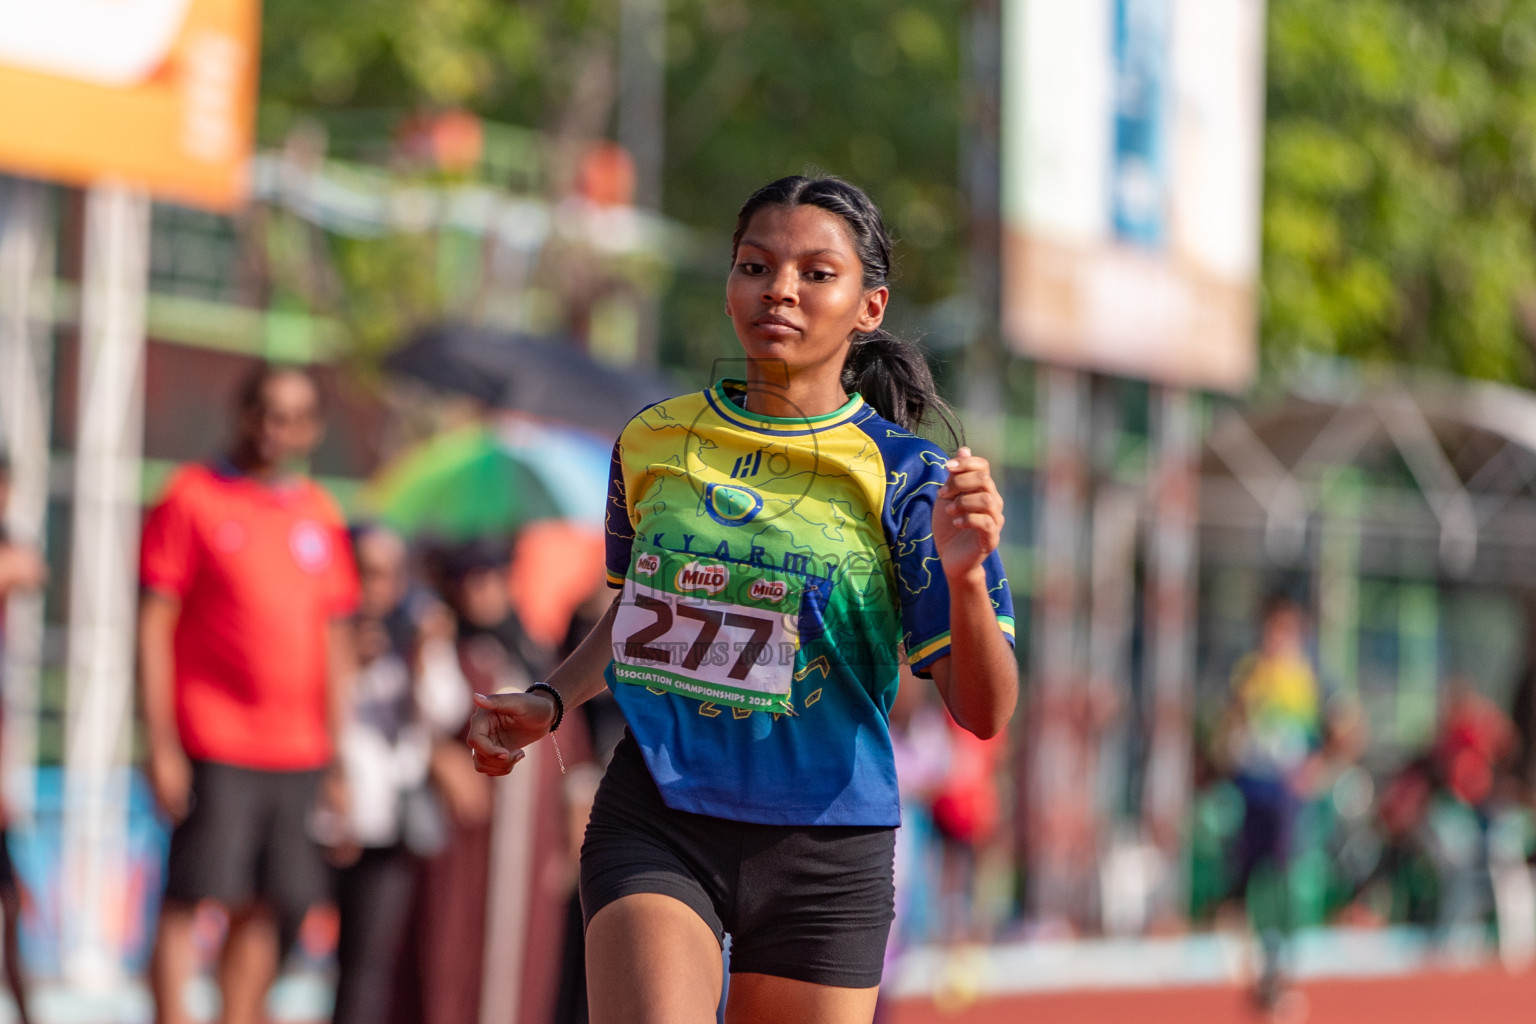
x,y
572,463
462,484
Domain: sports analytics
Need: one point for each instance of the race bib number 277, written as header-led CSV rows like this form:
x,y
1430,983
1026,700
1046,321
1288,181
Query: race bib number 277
x,y
718,632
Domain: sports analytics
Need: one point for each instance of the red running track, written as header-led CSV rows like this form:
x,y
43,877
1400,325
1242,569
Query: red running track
x,y
1479,997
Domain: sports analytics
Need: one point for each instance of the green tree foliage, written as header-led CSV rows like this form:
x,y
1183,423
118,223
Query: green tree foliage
x,y
510,61
864,88
1400,183
1400,149
868,89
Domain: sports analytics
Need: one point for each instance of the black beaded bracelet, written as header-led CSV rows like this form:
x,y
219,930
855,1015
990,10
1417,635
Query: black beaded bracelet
x,y
542,687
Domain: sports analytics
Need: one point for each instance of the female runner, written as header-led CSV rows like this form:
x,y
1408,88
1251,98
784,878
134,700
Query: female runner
x,y
780,542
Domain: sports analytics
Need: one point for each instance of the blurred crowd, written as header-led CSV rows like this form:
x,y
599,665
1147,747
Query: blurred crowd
x,y
306,683
1294,826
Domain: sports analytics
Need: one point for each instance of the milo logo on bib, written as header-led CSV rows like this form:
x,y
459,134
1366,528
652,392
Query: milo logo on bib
x,y
768,590
711,579
720,631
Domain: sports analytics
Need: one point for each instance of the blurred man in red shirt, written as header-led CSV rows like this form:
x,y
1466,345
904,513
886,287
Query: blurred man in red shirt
x,y
246,573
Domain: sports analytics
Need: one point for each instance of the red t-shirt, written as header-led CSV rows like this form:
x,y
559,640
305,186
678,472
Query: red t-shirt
x,y
260,572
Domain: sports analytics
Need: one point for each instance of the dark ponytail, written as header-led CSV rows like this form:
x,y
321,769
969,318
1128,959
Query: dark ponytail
x,y
891,374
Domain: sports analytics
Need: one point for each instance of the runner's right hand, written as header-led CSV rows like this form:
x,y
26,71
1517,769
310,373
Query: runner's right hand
x,y
503,724
170,776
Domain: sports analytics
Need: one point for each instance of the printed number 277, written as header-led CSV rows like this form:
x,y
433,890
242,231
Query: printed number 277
x,y
639,645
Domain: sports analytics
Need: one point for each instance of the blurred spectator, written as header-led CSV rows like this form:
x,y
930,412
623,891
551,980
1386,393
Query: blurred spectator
x,y
967,809
603,721
1403,887
495,647
1455,831
244,654
441,978
598,725
1474,745
21,568
382,814
1471,754
921,740
1270,738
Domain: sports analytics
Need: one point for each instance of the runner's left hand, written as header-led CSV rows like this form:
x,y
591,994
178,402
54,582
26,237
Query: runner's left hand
x,y
503,724
967,516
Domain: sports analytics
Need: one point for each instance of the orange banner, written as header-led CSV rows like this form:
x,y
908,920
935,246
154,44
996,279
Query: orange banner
x,y
154,93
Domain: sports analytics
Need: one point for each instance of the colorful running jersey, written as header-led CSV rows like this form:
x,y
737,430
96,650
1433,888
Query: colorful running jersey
x,y
774,573
1282,714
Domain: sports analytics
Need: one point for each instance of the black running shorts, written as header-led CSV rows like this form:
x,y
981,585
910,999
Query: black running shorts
x,y
246,838
811,903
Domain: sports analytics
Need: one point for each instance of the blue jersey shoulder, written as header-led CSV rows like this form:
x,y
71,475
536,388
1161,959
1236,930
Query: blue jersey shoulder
x,y
649,418
619,534
914,473
913,465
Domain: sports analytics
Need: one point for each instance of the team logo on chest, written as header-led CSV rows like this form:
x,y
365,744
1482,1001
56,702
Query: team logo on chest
x,y
731,504
310,545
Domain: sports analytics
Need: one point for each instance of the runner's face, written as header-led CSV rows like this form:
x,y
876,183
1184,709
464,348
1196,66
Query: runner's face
x,y
796,292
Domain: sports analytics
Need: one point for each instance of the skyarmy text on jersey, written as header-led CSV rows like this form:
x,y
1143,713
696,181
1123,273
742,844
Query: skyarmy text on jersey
x,y
814,565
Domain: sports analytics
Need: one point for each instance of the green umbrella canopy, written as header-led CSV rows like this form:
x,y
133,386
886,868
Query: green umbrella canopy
x,y
459,485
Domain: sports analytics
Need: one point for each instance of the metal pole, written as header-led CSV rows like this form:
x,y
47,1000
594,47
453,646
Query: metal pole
x,y
984,394
1055,763
642,130
642,94
1338,578
26,391
1170,636
512,878
102,580
1104,724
